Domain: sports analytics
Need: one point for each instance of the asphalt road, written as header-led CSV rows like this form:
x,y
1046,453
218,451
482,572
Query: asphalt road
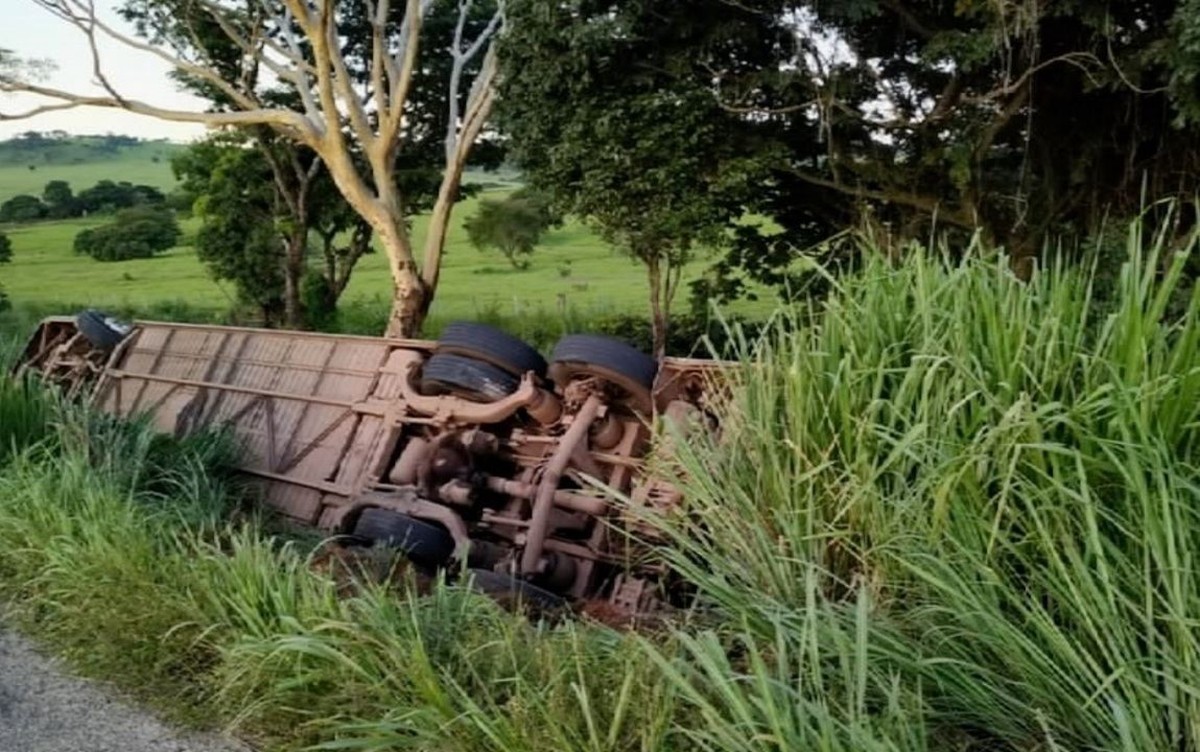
x,y
45,709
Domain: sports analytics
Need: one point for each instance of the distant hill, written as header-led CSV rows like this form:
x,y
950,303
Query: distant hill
x,y
38,149
32,159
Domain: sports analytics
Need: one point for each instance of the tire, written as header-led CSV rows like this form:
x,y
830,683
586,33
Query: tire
x,y
506,588
623,366
102,330
491,345
447,373
422,542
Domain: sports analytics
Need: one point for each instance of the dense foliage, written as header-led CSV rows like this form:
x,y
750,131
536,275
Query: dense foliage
x,y
607,117
59,202
139,232
22,208
1033,123
232,191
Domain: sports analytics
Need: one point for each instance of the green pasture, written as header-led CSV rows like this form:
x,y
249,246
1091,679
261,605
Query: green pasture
x,y
136,165
571,269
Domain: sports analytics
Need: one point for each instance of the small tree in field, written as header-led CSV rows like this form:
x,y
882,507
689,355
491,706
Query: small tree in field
x,y
513,226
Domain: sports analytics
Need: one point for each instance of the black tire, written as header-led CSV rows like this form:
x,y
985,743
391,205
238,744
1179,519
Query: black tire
x,y
102,330
504,587
447,373
622,365
422,542
491,345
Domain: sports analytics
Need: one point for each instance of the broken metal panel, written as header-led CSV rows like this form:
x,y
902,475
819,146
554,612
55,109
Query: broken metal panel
x,y
291,398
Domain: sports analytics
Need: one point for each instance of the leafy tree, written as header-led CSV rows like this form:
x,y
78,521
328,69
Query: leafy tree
x,y
237,205
607,117
219,172
110,243
344,236
22,208
145,194
60,201
155,224
240,238
181,202
139,232
1022,120
513,225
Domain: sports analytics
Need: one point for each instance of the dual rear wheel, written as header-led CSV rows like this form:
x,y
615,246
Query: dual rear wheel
x,y
484,364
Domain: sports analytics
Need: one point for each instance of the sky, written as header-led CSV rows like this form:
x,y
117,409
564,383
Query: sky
x,y
30,31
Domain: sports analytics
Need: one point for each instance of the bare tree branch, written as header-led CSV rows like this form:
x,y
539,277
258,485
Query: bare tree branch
x,y
82,15
460,59
381,70
285,119
410,31
343,85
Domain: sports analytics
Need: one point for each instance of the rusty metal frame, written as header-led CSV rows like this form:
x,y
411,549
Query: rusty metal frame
x,y
323,459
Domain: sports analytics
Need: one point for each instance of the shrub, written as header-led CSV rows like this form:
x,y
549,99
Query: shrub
x,y
139,232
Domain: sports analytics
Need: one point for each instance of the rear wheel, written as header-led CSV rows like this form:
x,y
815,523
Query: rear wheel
x,y
629,372
422,542
447,373
491,345
100,329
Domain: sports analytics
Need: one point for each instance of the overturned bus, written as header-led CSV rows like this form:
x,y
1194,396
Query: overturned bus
x,y
469,452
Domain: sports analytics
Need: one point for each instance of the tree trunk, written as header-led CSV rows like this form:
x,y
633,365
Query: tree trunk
x,y
408,314
659,315
293,274
410,297
439,225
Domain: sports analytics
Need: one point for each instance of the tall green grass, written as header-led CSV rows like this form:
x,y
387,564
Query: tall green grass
x,y
25,411
117,549
946,510
1004,480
